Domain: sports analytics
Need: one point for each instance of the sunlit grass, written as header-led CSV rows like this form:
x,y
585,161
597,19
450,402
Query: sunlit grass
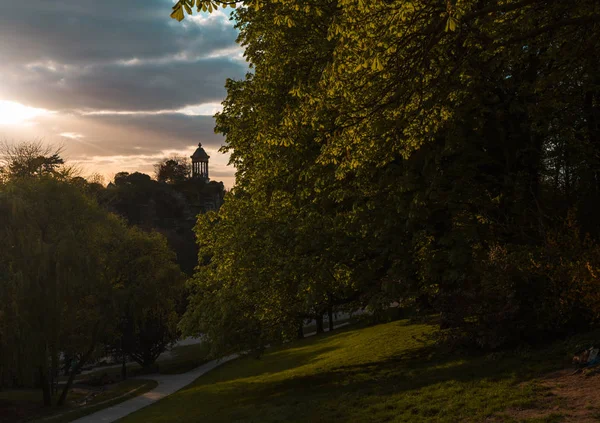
x,y
374,374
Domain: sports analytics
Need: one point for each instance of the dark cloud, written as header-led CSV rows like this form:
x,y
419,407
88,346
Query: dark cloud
x,y
113,54
96,31
153,133
145,86
122,135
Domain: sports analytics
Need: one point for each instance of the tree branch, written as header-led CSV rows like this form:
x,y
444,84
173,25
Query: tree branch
x,y
499,8
587,20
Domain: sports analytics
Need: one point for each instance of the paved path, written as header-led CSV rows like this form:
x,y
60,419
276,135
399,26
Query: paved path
x,y
167,385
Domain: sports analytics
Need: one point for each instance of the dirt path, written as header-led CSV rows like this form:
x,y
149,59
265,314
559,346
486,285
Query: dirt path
x,y
574,396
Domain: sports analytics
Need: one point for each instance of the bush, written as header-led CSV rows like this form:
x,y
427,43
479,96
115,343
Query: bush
x,y
532,292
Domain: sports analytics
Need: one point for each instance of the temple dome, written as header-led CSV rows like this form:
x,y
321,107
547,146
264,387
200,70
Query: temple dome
x,y
199,154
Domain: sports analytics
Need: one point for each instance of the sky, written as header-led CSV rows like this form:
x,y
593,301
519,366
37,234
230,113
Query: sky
x,y
117,83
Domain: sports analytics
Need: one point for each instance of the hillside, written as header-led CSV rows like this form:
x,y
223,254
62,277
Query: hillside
x,y
379,373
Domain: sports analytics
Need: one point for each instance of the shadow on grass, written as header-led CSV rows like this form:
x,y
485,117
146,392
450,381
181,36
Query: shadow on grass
x,y
401,384
378,374
406,383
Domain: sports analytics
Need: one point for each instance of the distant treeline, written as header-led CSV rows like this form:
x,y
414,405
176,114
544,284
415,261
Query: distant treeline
x,y
87,270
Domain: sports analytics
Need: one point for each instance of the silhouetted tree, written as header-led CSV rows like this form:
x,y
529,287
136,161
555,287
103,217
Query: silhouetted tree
x,y
33,159
173,170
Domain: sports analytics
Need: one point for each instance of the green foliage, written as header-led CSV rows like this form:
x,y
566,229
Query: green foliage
x,y
74,278
32,159
202,6
57,286
390,151
173,170
150,291
169,208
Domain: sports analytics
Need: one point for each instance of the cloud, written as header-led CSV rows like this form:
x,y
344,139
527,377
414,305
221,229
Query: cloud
x,y
114,54
171,85
117,82
83,32
71,135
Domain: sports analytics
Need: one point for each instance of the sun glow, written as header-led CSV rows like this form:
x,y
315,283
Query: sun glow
x,y
12,113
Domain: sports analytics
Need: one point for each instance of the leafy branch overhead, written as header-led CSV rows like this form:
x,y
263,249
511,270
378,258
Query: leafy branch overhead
x,y
201,6
454,11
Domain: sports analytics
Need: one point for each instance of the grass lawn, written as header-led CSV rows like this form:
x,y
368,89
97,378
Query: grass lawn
x,y
373,374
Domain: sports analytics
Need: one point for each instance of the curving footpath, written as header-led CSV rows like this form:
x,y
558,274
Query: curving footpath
x,y
167,385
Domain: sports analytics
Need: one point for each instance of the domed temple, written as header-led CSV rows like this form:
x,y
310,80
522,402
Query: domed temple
x,y
200,163
206,195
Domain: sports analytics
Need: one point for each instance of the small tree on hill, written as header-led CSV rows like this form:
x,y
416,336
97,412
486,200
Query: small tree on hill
x,y
33,159
173,170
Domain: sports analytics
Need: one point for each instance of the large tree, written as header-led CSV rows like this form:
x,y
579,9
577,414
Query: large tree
x,y
150,295
57,277
432,139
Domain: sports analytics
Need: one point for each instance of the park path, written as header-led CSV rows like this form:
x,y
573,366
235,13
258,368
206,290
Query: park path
x,y
167,385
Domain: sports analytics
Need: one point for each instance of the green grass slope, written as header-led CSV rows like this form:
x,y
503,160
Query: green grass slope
x,y
373,374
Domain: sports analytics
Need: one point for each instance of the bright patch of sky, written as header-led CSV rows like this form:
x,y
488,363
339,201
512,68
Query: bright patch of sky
x,y
12,113
206,109
71,135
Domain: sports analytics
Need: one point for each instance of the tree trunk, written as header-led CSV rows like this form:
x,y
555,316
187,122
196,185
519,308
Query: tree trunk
x,y
63,395
123,359
330,315
319,320
54,371
45,386
300,331
80,363
124,368
74,371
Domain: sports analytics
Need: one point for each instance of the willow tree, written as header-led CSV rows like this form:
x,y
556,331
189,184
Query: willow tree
x,y
56,277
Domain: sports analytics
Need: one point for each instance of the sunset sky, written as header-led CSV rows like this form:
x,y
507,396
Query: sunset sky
x,y
118,83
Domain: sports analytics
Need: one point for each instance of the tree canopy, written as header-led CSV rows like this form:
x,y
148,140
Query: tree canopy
x,y
405,151
173,170
30,159
75,278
